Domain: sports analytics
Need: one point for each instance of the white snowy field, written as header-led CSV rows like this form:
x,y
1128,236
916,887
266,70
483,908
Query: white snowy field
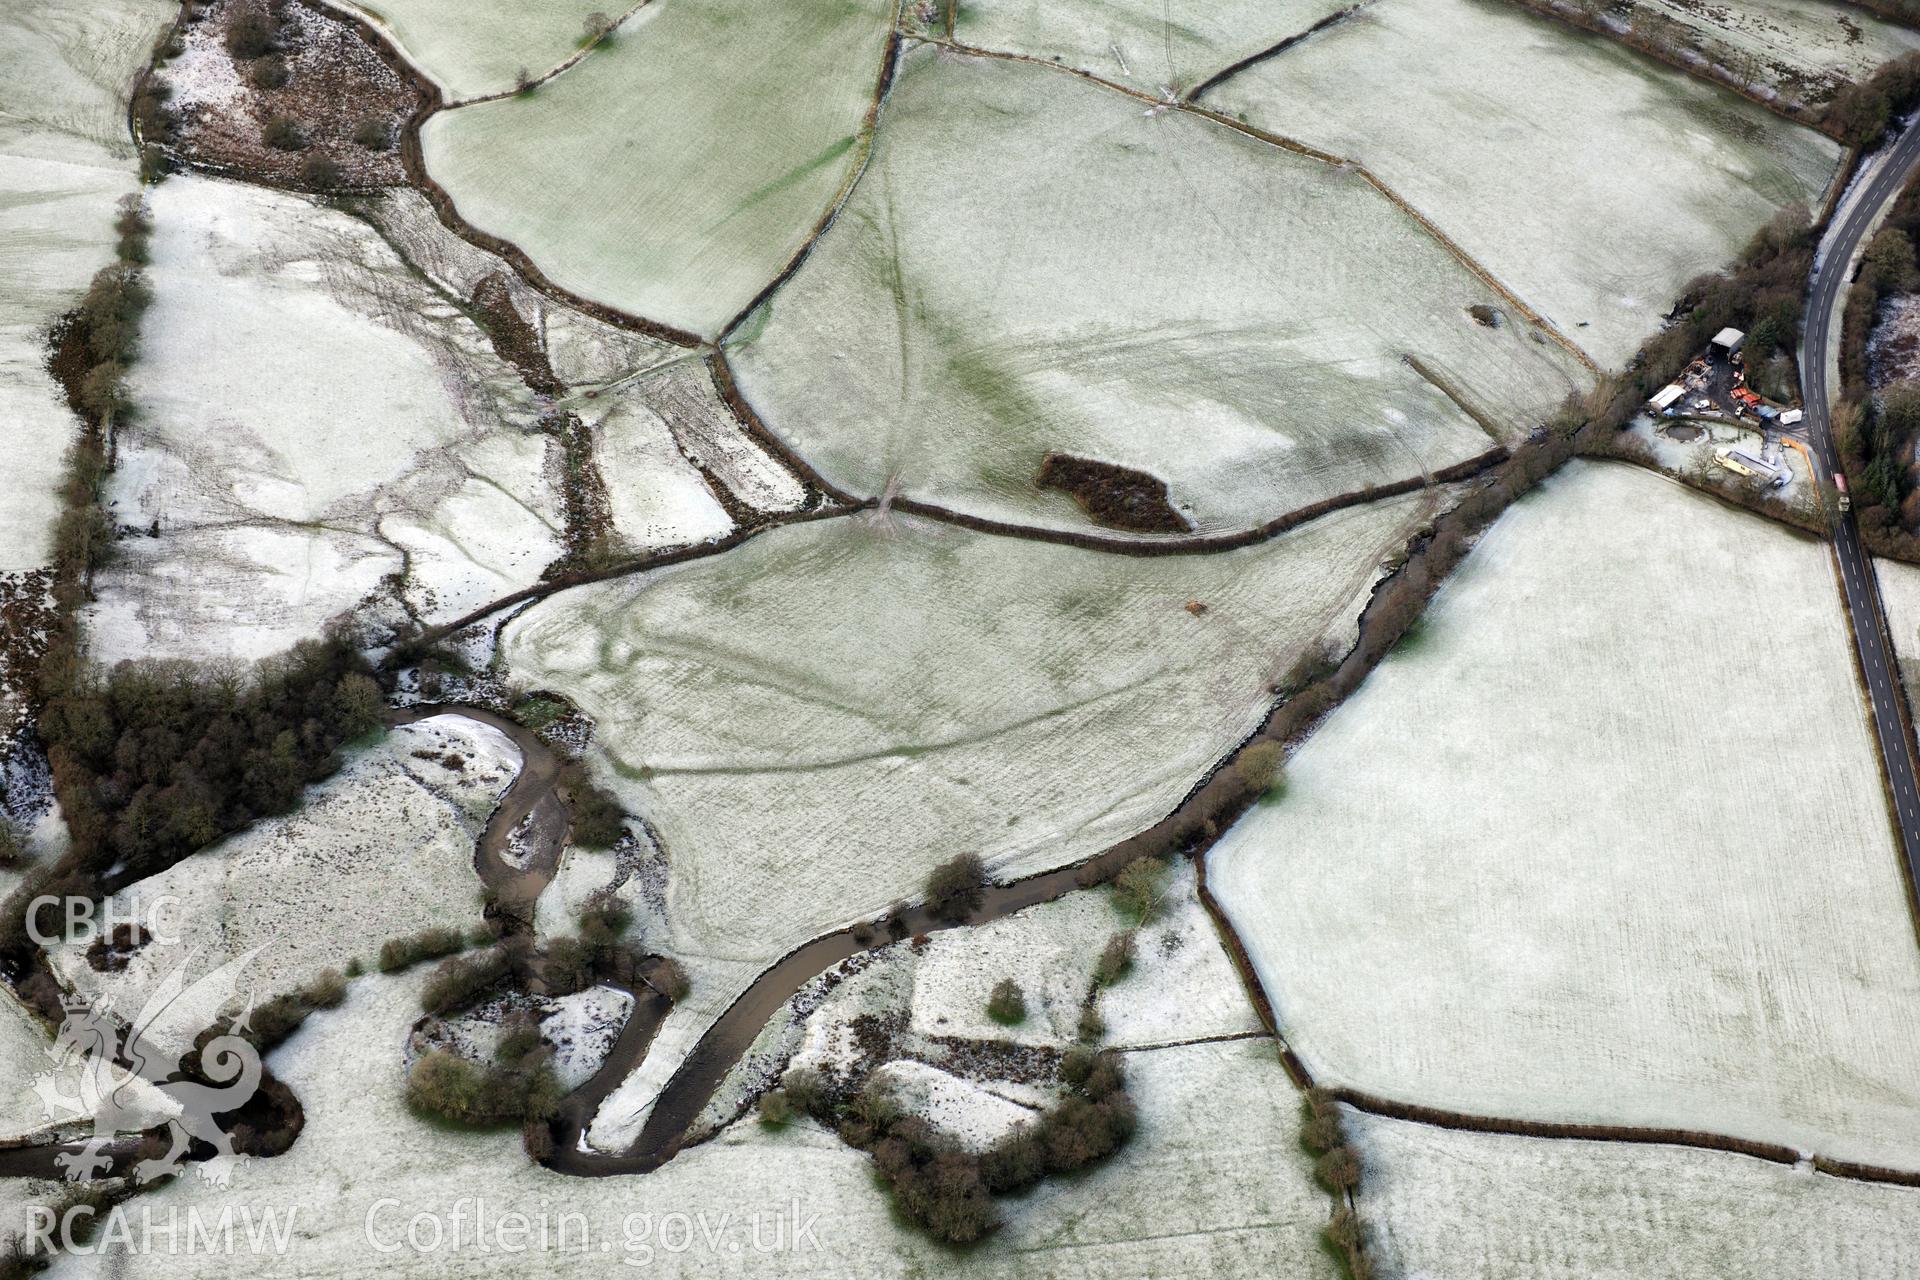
x,y
1589,179
1445,1205
24,1053
1151,45
472,47
312,418
654,435
673,173
656,495
708,434
816,719
1604,844
1213,1183
1799,50
1032,265
65,160
381,850
1182,985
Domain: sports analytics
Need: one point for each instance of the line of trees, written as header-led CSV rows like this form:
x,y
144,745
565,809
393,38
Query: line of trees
x,y
947,1191
1879,435
516,1087
1337,1169
1907,11
1861,113
153,760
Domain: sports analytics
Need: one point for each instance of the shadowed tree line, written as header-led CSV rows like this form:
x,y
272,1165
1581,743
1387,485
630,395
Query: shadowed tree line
x,y
1861,113
1878,435
942,1188
153,760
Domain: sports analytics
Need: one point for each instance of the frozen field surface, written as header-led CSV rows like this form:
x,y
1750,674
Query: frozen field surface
x,y
64,161
1205,1188
471,47
1029,702
382,849
1151,45
1447,1205
1181,987
673,173
364,426
585,351
1147,290
1587,178
1798,50
657,495
1552,861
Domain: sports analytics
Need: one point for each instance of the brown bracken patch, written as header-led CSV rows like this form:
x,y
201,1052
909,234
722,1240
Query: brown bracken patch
x,y
112,953
319,108
514,339
1113,496
69,361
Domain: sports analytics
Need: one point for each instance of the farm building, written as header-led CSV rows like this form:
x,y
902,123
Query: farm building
x,y
1743,463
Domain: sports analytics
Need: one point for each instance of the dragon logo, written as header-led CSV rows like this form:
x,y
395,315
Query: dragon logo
x,y
124,1078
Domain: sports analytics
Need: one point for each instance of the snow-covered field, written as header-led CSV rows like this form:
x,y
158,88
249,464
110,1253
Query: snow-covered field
x,y
1031,264
1605,844
1214,1183
1589,179
1151,45
657,496
1446,1205
65,160
1800,50
471,47
311,418
652,437
23,1054
708,434
585,351
673,173
815,720
1181,987
382,849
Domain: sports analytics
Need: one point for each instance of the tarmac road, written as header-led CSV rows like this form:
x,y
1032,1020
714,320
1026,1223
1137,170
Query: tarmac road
x,y
1861,591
